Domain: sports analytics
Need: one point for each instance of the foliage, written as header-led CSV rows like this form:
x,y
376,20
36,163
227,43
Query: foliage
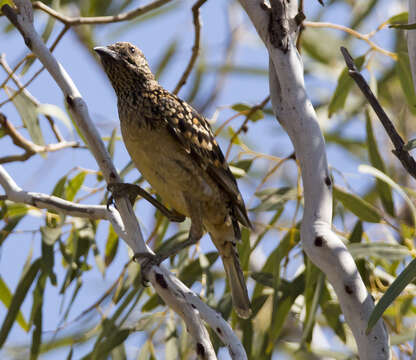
x,y
293,303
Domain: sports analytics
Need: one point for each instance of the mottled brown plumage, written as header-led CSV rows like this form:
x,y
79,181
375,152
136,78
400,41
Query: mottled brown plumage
x,y
175,150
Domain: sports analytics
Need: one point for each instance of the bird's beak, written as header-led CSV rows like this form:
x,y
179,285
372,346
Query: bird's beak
x,y
105,51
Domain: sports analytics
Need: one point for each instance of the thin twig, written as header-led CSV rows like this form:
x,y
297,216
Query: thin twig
x,y
21,87
222,74
36,74
403,155
29,147
195,48
15,69
243,126
364,37
68,20
43,201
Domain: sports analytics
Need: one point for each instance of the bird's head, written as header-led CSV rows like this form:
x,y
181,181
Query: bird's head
x,y
124,64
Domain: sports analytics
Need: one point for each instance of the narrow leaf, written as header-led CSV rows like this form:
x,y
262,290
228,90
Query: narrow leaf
x,y
343,88
405,76
111,246
394,290
27,110
19,296
375,172
376,160
359,207
6,298
74,185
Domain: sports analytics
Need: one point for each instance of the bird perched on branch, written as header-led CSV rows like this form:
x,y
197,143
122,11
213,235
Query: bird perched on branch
x,y
174,148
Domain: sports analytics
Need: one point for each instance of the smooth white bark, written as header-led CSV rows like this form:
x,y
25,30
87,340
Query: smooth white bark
x,y
296,114
175,294
44,201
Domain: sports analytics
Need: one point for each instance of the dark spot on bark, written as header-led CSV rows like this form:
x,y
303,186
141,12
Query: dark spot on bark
x,y
319,240
264,6
28,42
200,350
160,279
112,175
69,101
219,331
328,181
348,289
300,16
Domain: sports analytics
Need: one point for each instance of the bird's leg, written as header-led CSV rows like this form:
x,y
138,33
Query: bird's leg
x,y
195,233
133,191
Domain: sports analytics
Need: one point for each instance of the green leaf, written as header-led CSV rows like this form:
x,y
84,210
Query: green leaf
x,y
343,88
111,246
394,290
411,144
233,135
376,160
27,110
49,237
377,173
74,185
274,199
359,207
153,302
314,283
6,298
193,271
403,26
59,189
19,296
287,294
405,76
386,251
111,342
112,142
240,168
246,109
357,233
263,278
36,316
399,18
332,312
10,225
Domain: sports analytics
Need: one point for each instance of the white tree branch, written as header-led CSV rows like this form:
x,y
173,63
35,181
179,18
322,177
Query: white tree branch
x,y
44,201
175,294
411,40
296,114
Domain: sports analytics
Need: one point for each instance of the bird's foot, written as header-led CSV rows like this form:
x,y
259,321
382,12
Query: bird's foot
x,y
133,191
148,260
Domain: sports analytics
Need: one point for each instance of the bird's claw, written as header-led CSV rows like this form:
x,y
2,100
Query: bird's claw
x,y
148,261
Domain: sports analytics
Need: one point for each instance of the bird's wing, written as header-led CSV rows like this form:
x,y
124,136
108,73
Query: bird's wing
x,y
194,132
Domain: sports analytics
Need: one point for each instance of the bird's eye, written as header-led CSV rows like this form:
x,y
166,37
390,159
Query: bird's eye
x,y
132,50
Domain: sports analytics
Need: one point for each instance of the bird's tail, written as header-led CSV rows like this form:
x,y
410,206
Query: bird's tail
x,y
228,252
237,284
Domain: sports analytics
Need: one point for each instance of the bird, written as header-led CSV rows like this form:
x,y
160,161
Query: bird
x,y
174,148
